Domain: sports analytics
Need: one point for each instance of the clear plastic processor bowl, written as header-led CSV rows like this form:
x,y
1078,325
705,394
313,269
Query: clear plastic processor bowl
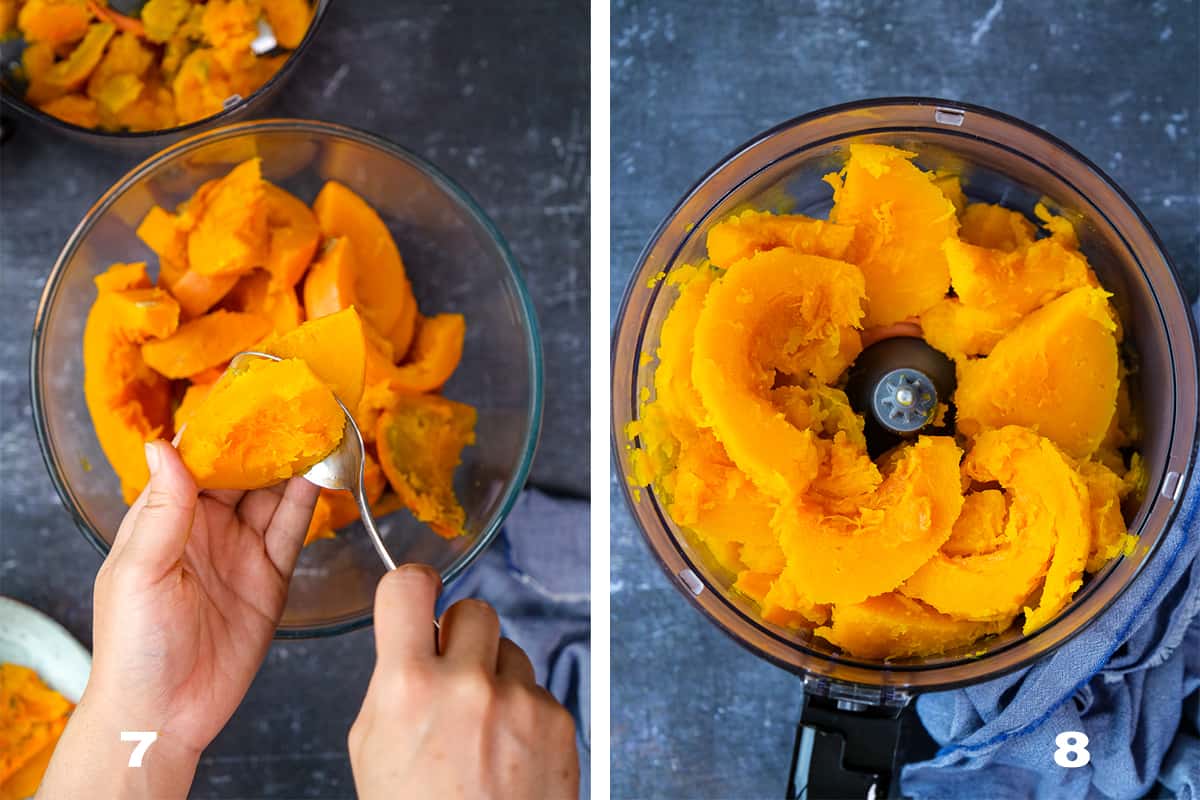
x,y
143,142
457,261
1002,160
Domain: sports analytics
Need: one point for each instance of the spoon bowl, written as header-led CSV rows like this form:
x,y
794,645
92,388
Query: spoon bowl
x,y
341,469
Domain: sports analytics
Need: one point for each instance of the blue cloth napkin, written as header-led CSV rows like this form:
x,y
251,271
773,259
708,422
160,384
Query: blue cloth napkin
x,y
536,575
1130,682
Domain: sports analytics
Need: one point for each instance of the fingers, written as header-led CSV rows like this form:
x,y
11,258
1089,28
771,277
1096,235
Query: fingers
x,y
405,604
288,519
513,665
155,530
257,507
471,634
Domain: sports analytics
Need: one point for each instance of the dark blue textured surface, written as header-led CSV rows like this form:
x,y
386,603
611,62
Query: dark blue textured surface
x,y
694,715
497,97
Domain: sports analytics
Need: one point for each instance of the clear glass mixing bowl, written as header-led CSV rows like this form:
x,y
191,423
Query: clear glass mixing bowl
x,y
1002,160
144,142
457,261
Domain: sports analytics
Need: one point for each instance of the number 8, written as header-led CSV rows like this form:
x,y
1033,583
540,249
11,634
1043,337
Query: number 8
x,y
1072,749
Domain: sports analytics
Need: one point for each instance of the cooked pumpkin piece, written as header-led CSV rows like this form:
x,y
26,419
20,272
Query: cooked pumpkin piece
x,y
420,443
1055,372
900,218
205,342
333,346
261,423
128,401
383,291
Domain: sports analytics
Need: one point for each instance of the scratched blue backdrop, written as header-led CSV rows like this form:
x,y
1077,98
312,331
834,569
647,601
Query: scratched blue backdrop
x,y
694,715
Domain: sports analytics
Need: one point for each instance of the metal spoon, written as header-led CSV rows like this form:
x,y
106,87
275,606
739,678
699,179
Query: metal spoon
x,y
341,469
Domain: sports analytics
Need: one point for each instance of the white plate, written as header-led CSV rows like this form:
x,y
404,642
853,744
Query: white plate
x,y
30,638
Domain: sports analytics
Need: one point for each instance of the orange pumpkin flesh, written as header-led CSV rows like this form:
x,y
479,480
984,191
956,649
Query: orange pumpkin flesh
x,y
294,236
32,717
261,424
205,342
333,346
745,234
129,403
752,446
131,82
900,220
1055,372
141,362
420,442
383,292
231,236
256,294
329,285
434,355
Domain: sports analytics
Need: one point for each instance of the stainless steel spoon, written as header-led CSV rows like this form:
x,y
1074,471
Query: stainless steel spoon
x,y
341,469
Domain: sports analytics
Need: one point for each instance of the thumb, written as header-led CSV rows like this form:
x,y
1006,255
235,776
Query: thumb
x,y
159,533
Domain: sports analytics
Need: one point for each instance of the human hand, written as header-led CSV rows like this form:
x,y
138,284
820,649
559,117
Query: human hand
x,y
463,719
186,604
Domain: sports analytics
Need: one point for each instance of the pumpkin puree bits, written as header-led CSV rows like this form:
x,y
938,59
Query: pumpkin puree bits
x,y
176,62
750,442
244,265
32,717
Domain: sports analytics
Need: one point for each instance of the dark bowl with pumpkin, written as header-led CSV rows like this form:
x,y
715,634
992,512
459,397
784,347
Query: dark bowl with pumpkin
x,y
109,83
456,261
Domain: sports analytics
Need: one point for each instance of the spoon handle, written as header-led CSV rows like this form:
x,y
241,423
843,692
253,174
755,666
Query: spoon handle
x,y
368,520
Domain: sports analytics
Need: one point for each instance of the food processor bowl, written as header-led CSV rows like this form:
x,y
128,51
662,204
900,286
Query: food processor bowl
x,y
235,108
1001,160
456,260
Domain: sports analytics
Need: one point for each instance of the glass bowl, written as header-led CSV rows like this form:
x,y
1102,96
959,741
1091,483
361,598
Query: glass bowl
x,y
1002,160
236,107
456,260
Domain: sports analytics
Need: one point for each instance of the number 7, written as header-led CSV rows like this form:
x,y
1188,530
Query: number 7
x,y
144,739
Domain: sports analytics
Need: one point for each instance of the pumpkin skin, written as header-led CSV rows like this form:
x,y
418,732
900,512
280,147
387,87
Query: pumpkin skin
x,y
193,396
128,401
280,402
384,293
420,443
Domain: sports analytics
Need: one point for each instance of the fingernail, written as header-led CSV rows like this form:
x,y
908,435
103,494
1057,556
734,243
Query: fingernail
x,y
152,457
425,568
